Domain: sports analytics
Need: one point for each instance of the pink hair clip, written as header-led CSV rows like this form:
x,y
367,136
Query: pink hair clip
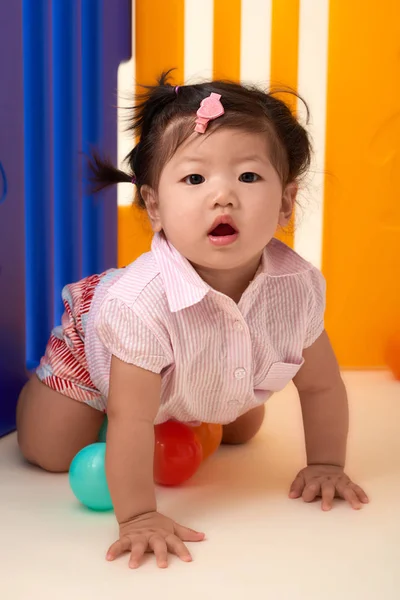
x,y
210,109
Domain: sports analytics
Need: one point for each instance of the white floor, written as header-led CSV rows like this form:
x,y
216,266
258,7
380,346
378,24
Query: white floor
x,y
259,543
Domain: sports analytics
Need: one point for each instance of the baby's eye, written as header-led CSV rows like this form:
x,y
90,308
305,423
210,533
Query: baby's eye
x,y
194,179
249,177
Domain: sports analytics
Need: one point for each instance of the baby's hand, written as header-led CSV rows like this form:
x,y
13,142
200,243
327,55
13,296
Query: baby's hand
x,y
152,532
326,482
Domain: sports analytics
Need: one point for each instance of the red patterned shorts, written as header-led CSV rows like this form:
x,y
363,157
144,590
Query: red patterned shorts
x,y
64,367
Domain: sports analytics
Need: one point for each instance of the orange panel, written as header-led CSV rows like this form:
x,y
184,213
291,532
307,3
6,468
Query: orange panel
x,y
159,39
284,64
134,234
227,39
361,254
159,47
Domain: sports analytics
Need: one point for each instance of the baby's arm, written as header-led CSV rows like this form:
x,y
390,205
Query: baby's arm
x,y
133,402
325,412
324,405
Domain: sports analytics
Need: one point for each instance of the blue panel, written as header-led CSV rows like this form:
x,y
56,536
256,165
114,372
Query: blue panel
x,y
3,184
66,140
106,42
37,167
59,71
92,54
117,41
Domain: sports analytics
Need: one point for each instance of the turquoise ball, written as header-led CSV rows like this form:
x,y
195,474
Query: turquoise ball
x,y
87,477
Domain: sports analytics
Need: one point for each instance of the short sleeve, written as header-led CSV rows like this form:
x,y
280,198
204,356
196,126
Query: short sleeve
x,y
316,307
128,338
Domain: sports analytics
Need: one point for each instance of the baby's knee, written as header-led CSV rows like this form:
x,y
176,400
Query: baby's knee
x,y
32,442
244,428
36,454
52,428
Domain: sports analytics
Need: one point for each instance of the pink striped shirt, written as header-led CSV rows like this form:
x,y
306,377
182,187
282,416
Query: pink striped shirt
x,y
217,359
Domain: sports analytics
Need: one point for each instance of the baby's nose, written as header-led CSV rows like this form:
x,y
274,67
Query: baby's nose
x,y
224,197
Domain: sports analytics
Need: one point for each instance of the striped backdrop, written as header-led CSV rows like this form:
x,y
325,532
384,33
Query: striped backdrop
x,y
342,57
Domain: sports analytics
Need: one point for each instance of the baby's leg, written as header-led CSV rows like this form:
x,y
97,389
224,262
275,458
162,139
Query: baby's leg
x,y
245,427
52,428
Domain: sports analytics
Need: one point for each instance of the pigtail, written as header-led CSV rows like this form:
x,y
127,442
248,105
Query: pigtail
x,y
151,103
103,173
292,134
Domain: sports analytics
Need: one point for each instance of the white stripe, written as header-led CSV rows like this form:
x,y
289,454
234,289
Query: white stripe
x,y
312,85
126,78
255,46
198,46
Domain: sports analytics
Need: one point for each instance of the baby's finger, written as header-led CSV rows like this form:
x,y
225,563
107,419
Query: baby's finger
x,y
139,547
297,487
360,493
118,548
311,491
188,535
176,546
159,547
351,497
328,492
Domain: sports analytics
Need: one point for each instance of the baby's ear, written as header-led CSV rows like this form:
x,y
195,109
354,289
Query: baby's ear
x,y
287,206
150,199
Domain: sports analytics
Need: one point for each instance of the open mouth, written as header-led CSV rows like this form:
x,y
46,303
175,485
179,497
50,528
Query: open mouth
x,y
223,234
223,230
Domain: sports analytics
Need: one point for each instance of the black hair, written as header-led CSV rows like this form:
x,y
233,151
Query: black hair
x,y
164,116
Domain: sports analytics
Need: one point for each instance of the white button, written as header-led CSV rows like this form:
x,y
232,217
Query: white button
x,y
240,373
233,402
238,326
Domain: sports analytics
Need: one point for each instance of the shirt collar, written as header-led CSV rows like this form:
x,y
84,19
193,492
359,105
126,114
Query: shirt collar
x,y
183,285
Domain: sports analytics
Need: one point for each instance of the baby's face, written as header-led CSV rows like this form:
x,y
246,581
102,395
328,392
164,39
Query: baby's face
x,y
225,176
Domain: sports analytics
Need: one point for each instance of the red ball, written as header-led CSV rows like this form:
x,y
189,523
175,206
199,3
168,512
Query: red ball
x,y
177,455
209,436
